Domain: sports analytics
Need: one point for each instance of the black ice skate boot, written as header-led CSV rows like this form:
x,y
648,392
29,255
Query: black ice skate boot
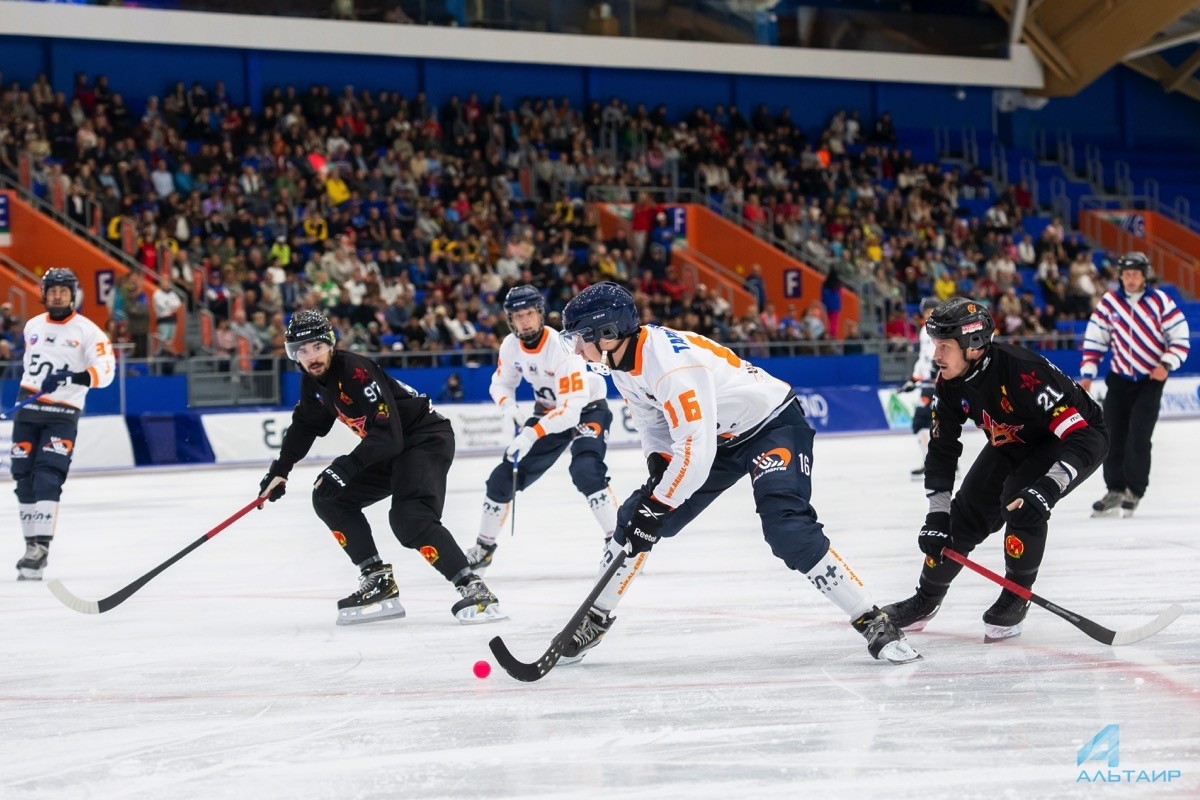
x,y
1005,618
587,635
914,613
375,598
884,640
479,557
478,605
31,565
1107,505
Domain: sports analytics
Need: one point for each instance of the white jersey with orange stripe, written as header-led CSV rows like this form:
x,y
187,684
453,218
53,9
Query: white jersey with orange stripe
x,y
686,394
561,381
76,343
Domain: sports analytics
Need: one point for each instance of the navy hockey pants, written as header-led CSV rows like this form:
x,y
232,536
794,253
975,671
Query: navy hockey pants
x,y
588,442
41,455
778,460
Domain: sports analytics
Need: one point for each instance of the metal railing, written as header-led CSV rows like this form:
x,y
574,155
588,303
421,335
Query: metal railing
x,y
226,381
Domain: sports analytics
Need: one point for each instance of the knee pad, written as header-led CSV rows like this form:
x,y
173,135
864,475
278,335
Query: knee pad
x,y
47,483
588,473
412,533
499,486
24,489
1023,550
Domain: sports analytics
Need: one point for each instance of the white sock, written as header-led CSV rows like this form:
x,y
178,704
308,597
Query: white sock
x,y
604,507
833,578
38,519
491,520
923,440
615,590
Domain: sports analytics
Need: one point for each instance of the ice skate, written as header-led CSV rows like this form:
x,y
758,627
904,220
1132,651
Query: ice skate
x,y
479,557
1129,503
478,605
33,563
1107,506
913,614
918,473
587,635
885,641
374,600
1005,618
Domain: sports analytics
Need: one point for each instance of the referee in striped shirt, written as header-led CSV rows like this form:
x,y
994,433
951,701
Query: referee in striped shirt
x,y
1148,337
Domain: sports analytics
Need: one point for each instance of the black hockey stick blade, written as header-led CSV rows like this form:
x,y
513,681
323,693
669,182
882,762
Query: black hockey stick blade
x,y
1092,629
76,603
529,673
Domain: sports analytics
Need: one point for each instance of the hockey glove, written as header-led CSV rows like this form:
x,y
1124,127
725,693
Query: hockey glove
x,y
642,531
656,465
934,535
274,483
56,379
514,414
335,477
1036,501
521,445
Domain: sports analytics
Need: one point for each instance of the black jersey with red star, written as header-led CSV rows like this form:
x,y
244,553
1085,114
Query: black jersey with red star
x,y
1019,400
379,409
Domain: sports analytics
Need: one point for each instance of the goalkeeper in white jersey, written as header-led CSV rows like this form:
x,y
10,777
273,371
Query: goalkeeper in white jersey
x,y
65,355
570,412
707,419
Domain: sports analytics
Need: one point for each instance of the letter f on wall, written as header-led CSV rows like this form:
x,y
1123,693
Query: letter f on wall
x,y
1105,745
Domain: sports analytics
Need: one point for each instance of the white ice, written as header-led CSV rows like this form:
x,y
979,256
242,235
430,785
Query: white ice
x,y
725,676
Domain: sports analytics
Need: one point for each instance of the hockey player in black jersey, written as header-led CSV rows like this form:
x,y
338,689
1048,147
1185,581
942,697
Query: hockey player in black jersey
x,y
1045,437
405,452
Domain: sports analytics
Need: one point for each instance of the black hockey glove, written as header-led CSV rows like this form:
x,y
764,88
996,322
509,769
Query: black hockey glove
x,y
656,465
265,489
335,477
935,534
51,382
1036,501
642,531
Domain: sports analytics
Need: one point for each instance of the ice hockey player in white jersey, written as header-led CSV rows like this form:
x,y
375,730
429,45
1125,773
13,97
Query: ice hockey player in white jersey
x,y
924,376
707,419
570,411
65,355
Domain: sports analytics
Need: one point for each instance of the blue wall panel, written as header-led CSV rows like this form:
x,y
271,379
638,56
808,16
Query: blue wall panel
x,y
21,59
139,71
679,91
813,102
925,106
512,81
362,72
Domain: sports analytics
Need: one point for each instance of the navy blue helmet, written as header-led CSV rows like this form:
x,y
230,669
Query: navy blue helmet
x,y
520,298
601,311
963,320
60,276
306,326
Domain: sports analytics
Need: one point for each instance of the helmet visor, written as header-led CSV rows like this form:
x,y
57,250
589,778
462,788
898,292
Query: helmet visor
x,y
311,348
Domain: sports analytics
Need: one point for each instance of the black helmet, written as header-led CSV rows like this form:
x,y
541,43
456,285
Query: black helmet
x,y
306,326
1134,260
522,297
601,311
60,276
929,304
965,321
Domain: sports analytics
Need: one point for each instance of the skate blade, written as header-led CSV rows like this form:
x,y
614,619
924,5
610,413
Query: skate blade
x,y
998,633
568,660
385,609
24,574
899,652
1112,512
471,615
1127,513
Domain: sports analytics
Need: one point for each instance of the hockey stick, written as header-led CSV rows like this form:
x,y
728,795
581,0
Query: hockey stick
x,y
538,669
1092,629
100,606
33,398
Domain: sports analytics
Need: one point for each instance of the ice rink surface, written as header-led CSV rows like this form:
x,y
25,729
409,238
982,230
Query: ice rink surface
x,y
725,676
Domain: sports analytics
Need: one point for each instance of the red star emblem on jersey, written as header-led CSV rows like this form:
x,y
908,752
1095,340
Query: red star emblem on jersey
x,y
356,424
1029,381
361,375
999,433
